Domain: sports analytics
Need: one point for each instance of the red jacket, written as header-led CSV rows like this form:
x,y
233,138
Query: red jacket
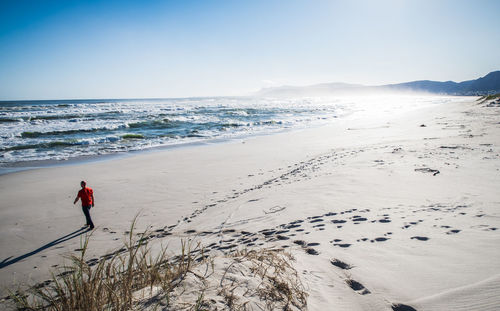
x,y
85,195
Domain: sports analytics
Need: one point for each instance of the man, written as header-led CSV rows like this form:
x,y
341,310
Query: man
x,y
86,194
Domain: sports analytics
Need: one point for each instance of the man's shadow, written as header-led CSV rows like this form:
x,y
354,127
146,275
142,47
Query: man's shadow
x,y
8,261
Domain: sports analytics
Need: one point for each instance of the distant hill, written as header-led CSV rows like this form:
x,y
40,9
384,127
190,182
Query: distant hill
x,y
316,89
489,84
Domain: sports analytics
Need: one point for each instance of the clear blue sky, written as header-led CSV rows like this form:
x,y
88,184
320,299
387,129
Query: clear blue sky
x,y
123,49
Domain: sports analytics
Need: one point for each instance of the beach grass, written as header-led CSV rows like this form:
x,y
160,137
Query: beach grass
x,y
136,278
488,97
111,283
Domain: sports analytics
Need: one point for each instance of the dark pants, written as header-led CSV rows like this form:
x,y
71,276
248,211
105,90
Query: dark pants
x,y
86,210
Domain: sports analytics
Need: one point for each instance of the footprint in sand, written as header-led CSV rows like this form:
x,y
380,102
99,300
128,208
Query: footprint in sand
x,y
282,231
221,248
248,240
380,239
164,234
358,218
358,287
315,220
420,238
409,224
402,307
267,232
337,221
211,245
64,273
307,246
343,245
311,251
300,242
330,214
282,237
340,264
314,217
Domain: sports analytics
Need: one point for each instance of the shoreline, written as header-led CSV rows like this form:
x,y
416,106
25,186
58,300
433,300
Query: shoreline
x,y
11,167
14,167
329,186
38,135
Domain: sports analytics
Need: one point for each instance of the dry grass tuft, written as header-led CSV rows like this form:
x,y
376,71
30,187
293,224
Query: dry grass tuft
x,y
135,278
276,282
110,284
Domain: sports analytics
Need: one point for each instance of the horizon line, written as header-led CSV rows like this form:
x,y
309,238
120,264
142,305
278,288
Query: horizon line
x,y
216,96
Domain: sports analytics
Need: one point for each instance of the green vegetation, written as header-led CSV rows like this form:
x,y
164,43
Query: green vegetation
x,y
482,99
133,136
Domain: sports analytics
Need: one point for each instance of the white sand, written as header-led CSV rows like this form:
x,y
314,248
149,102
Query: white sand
x,y
356,167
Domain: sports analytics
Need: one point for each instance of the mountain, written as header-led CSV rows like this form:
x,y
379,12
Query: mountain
x,y
486,85
489,84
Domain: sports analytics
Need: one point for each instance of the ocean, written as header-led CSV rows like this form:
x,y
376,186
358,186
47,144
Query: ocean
x,y
58,130
64,129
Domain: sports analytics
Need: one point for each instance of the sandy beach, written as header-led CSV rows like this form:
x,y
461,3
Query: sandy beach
x,y
409,201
